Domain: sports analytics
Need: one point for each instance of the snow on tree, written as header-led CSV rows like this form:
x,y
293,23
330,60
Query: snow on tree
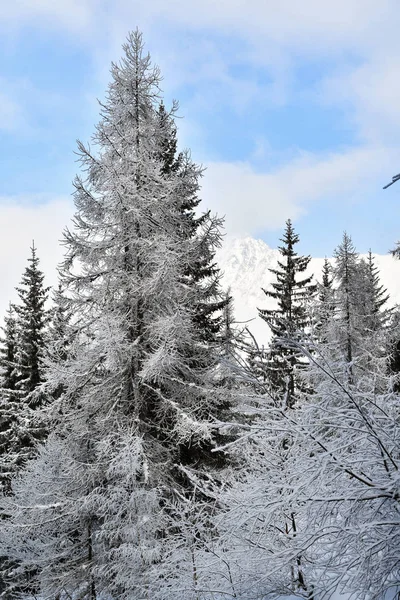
x,y
355,324
344,475
340,474
261,519
314,510
22,353
346,481
168,142
8,351
31,320
141,387
377,296
12,409
324,304
289,319
21,426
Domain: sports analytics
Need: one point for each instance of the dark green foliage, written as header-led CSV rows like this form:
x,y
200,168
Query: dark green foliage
x,y
59,330
325,303
8,351
9,412
326,279
168,141
21,356
376,298
31,320
203,274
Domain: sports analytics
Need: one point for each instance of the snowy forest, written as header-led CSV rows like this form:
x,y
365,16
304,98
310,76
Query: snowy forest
x,y
150,447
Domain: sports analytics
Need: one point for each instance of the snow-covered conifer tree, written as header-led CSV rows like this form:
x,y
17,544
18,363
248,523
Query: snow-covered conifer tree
x,y
31,320
140,384
358,315
262,518
8,351
289,319
21,426
22,353
345,474
336,482
9,398
324,303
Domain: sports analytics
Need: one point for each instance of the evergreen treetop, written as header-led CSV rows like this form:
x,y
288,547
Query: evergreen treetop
x,y
8,351
31,319
289,291
289,320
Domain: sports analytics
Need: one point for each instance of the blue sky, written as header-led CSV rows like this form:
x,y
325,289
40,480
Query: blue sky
x,y
293,107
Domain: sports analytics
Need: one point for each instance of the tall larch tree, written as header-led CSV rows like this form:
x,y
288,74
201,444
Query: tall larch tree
x,y
289,320
140,385
348,327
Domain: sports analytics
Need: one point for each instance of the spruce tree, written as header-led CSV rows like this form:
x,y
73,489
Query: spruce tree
x,y
168,142
8,351
9,406
376,297
140,385
289,320
283,365
21,360
31,319
355,317
21,425
325,289
202,274
348,322
324,303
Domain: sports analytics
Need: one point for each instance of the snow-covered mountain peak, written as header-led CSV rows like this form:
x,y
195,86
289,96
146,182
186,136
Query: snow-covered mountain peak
x,y
247,251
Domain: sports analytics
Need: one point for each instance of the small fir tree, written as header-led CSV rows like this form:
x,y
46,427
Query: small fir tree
x,y
289,320
31,319
376,297
8,351
347,327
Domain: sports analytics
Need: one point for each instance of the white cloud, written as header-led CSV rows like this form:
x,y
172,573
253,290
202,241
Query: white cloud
x,y
198,42
258,32
20,223
370,93
72,14
254,202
